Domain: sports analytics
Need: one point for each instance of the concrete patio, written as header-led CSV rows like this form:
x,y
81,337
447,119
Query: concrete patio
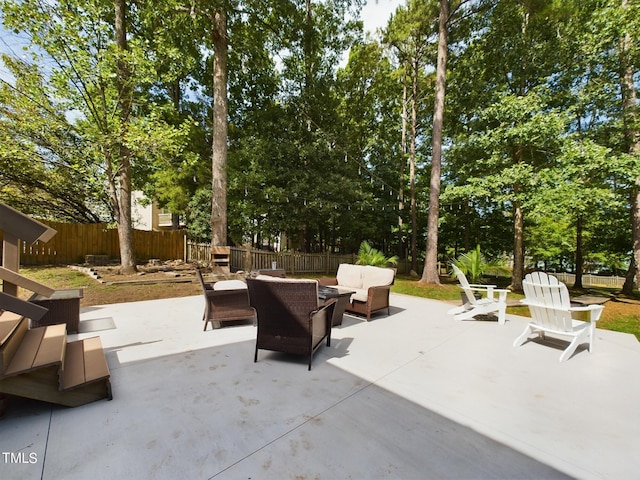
x,y
415,395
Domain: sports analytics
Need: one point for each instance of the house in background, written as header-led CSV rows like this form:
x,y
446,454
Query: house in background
x,y
146,215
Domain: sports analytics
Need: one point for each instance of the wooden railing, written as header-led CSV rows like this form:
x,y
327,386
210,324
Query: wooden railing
x,y
293,263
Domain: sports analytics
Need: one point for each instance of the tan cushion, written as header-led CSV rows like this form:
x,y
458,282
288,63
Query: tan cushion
x,y
269,278
229,285
360,295
350,275
376,277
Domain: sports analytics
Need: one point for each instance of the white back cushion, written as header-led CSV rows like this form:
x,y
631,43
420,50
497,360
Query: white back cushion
x,y
350,275
376,277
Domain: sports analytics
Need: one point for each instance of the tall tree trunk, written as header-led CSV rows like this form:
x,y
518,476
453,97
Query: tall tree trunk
x,y
518,214
629,283
518,248
412,168
635,226
430,273
219,157
579,256
123,193
403,164
632,139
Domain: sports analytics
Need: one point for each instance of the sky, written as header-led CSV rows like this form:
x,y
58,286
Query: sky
x,y
375,13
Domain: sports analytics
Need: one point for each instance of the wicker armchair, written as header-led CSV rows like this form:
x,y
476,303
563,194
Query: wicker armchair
x,y
225,301
289,319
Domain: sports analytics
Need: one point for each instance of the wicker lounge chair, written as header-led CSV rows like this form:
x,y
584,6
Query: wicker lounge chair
x,y
225,301
289,319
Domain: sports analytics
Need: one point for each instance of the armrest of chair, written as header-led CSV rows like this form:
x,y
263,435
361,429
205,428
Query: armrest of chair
x,y
321,318
378,296
502,294
326,308
327,281
490,290
238,296
593,311
481,286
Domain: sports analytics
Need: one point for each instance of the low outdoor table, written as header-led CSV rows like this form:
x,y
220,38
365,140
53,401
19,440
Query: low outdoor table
x,y
64,307
342,297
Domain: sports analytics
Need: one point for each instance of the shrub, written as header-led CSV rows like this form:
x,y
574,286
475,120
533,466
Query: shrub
x,y
368,255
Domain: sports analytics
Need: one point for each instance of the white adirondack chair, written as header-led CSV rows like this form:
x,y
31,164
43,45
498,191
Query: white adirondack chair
x,y
551,312
474,306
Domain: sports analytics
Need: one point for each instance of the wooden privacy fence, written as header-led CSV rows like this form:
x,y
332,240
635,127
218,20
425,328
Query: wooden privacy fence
x,y
293,263
74,241
591,280
248,259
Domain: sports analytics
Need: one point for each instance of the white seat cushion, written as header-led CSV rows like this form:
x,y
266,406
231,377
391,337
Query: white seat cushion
x,y
229,285
360,295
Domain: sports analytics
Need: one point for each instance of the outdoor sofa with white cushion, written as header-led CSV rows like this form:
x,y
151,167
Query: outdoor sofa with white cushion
x,y
371,286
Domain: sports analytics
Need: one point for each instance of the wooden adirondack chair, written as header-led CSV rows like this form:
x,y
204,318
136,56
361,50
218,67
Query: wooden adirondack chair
x,y
473,306
551,312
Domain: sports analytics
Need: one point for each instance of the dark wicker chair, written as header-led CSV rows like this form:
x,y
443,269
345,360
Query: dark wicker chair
x,y
289,319
223,304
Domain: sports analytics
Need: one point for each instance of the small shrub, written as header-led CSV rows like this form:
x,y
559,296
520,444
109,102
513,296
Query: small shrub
x,y
475,265
367,255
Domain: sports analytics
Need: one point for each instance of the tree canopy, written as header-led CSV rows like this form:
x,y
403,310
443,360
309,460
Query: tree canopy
x,y
332,136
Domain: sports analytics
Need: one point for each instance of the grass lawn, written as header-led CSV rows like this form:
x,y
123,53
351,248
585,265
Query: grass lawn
x,y
620,314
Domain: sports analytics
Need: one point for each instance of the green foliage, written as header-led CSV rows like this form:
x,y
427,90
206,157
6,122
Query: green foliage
x,y
534,118
116,130
45,169
474,265
199,215
367,255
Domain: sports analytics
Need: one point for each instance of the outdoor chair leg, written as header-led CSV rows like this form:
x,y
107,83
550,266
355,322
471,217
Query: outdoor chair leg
x,y
571,348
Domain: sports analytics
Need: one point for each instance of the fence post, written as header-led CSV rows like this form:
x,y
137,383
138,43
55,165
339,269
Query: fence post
x,y
247,265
